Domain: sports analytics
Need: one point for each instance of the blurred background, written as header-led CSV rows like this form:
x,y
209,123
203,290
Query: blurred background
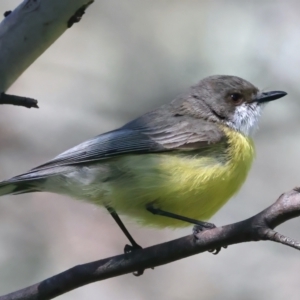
x,y
123,59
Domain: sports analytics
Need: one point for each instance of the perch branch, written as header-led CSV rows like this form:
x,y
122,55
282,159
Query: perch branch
x,y
257,228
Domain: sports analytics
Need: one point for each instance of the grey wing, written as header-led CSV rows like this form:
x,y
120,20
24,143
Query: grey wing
x,y
107,145
178,132
143,135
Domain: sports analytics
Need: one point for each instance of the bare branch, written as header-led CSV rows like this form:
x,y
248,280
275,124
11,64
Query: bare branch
x,y
257,228
27,31
18,100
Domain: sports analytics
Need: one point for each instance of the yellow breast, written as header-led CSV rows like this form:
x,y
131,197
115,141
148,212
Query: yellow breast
x,y
194,186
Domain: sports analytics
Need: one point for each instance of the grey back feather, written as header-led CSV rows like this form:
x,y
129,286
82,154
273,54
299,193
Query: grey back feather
x,y
153,132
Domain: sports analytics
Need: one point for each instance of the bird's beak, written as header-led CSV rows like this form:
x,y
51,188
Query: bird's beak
x,y
269,96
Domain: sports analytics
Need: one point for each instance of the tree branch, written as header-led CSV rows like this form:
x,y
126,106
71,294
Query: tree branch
x,y
17,100
257,228
29,30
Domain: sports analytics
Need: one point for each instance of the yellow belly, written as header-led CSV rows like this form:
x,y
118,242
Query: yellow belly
x,y
192,186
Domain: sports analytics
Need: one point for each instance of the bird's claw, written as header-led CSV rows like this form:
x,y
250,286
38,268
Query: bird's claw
x,y
129,249
208,226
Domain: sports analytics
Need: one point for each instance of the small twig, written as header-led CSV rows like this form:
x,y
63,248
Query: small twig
x,y
257,228
18,100
7,13
78,14
274,236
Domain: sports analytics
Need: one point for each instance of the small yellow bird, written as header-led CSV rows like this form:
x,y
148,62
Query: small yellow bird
x,y
177,164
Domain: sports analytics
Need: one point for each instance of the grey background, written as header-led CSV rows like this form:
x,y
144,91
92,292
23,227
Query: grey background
x,y
124,58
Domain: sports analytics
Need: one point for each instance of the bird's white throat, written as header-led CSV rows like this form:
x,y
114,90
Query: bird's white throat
x,y
245,118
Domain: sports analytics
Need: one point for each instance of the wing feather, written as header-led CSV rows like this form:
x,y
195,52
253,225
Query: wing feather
x,y
147,134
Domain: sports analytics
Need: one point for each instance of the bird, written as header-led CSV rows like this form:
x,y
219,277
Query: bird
x,y
175,165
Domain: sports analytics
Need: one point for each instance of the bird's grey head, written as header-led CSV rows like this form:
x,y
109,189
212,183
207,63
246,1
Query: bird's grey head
x,y
230,100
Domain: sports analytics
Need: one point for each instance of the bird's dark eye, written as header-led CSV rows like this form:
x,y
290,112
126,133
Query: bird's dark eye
x,y
236,98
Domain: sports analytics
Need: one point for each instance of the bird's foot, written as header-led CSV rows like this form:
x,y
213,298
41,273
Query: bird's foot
x,y
131,248
207,226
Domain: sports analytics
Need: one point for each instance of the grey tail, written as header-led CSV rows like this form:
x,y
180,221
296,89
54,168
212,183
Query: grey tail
x,y
32,181
10,187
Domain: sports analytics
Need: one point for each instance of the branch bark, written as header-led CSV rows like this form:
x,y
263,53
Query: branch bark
x,y
30,29
17,100
257,228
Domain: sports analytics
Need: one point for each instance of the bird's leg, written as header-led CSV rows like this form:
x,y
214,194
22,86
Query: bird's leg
x,y
128,248
134,245
199,225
